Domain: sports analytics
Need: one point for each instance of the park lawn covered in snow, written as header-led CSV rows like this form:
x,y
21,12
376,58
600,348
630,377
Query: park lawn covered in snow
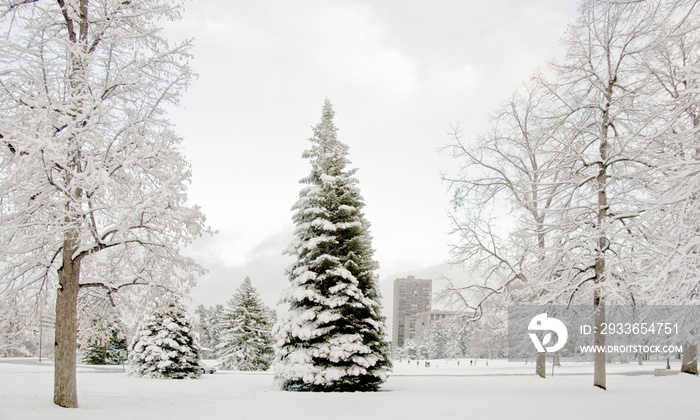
x,y
500,390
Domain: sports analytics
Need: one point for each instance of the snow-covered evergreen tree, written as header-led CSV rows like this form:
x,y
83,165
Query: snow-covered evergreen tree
x,y
115,345
95,354
409,350
333,336
209,322
105,351
165,346
246,331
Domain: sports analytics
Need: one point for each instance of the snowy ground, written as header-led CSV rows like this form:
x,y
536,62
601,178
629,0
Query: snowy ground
x,y
500,390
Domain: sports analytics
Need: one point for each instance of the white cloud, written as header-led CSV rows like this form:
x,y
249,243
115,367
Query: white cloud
x,y
262,261
342,41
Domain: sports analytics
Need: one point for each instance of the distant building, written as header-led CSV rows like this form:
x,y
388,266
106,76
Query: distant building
x,y
424,319
411,297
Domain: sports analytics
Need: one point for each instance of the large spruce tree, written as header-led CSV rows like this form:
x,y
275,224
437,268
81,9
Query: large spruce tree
x,y
333,336
246,331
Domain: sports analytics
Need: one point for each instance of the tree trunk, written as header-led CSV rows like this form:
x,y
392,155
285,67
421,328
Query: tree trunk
x,y
602,246
689,363
541,365
65,391
598,301
599,341
65,351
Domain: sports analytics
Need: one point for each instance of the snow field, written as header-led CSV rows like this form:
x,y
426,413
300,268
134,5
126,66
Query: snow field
x,y
500,391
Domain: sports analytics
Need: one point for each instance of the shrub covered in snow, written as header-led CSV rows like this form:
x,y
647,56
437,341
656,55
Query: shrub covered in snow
x,y
333,337
165,346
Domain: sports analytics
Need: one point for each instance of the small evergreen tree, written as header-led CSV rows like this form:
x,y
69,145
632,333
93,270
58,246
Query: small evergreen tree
x,y
409,350
105,352
246,331
165,346
116,343
95,354
210,322
333,336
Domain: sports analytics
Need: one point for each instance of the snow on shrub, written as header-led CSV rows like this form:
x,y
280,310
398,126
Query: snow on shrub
x,y
165,346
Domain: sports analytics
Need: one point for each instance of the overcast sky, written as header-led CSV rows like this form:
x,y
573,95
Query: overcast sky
x,y
398,73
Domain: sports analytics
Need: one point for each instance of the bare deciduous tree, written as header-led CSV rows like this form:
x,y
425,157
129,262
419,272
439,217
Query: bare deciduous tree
x,y
673,222
608,138
506,187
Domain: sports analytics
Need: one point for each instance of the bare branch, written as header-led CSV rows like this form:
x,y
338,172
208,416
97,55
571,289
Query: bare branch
x,y
14,5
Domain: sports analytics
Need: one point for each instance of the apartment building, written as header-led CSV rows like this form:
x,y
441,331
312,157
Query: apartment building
x,y
411,297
